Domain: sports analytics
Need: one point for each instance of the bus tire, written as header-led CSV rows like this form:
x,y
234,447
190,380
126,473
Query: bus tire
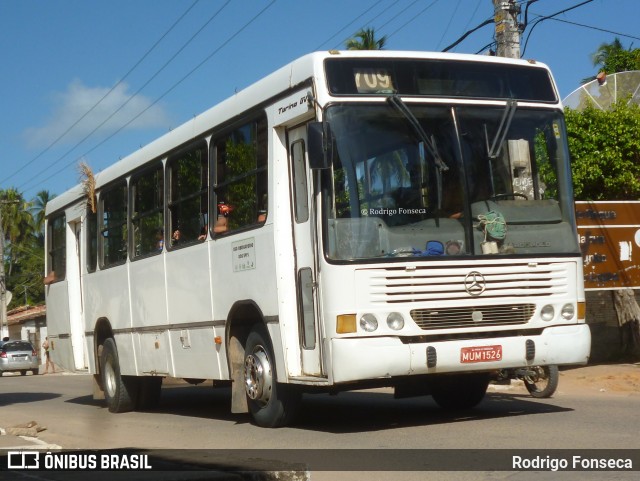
x,y
150,392
459,391
271,404
120,392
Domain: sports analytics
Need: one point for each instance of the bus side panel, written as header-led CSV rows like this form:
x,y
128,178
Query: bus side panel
x,y
107,297
149,311
59,325
195,353
254,280
193,349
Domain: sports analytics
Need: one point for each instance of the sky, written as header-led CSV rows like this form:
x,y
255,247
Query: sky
x,y
93,81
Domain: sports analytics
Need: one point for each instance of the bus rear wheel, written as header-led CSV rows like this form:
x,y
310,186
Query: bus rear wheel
x,y
271,404
120,392
459,391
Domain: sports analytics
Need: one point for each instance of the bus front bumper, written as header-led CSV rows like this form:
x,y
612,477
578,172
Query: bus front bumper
x,y
356,359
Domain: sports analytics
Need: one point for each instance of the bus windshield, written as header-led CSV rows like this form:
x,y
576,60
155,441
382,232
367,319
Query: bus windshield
x,y
443,180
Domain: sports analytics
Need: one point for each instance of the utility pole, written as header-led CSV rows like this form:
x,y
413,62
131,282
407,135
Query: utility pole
x,y
507,28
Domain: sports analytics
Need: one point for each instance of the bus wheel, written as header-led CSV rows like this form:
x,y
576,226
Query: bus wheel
x,y
459,391
120,392
271,404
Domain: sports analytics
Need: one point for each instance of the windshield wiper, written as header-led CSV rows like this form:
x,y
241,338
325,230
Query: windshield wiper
x,y
503,128
429,142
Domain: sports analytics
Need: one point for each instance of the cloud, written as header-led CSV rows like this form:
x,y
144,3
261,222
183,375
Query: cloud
x,y
119,106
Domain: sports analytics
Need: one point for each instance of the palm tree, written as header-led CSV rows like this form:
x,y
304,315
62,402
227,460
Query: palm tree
x,y
606,51
613,57
38,206
365,39
16,222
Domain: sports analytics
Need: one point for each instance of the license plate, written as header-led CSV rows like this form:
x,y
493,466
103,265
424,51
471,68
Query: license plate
x,y
480,354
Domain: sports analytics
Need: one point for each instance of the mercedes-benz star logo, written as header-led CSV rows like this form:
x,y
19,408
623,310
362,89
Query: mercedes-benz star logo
x,y
475,283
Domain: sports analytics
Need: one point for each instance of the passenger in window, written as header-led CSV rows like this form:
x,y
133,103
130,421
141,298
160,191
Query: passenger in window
x,y
50,279
176,237
222,223
262,210
160,240
203,233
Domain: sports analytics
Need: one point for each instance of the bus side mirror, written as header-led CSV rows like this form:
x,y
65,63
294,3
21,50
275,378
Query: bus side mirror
x,y
320,145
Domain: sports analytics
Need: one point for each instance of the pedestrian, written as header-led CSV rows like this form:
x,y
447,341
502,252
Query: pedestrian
x,y
45,346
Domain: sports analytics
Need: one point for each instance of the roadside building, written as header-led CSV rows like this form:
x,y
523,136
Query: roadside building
x,y
28,323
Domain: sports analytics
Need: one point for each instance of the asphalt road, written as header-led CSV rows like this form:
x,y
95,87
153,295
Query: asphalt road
x,y
198,417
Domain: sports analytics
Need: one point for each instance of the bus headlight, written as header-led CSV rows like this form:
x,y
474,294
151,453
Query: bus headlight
x,y
395,321
568,311
547,313
368,322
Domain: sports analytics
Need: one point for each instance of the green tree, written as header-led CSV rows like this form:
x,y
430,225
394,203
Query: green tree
x,y
24,248
365,39
613,57
26,280
17,224
37,210
605,152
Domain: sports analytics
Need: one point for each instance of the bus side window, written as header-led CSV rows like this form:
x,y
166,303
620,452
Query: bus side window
x,y
188,206
241,175
113,231
57,264
147,219
92,239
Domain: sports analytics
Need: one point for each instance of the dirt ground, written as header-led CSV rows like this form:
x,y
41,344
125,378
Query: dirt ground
x,y
612,379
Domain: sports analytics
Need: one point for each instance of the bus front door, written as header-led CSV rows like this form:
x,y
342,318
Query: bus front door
x,y
305,249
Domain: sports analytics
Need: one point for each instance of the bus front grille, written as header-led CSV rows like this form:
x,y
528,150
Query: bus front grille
x,y
448,283
461,317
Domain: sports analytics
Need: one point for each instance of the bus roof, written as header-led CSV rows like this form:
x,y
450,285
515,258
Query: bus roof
x,y
282,80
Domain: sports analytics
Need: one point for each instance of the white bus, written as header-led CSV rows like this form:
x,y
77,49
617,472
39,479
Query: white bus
x,y
355,219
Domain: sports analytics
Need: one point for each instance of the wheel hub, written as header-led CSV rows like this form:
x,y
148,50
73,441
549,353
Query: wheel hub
x,y
257,376
110,380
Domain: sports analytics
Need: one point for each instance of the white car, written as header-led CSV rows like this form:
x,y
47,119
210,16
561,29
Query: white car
x,y
18,356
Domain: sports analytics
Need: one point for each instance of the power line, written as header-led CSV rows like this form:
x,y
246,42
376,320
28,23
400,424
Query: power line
x,y
187,75
547,17
413,18
596,28
144,56
398,14
349,24
380,14
473,15
467,33
135,94
451,17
